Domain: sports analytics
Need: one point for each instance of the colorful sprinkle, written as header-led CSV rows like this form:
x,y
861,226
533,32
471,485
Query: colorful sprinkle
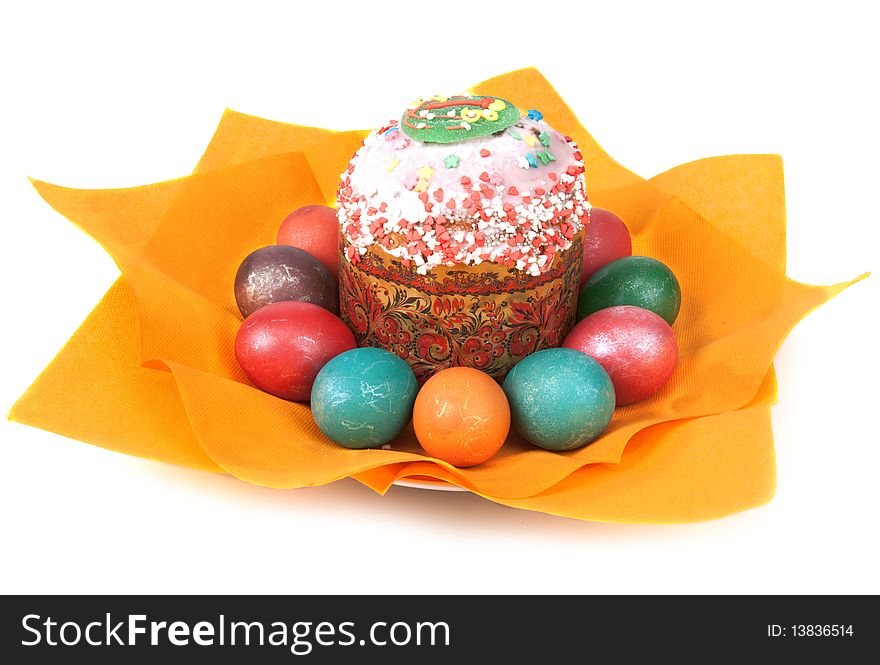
x,y
471,115
544,138
532,160
451,161
426,172
530,140
484,152
392,165
535,115
512,133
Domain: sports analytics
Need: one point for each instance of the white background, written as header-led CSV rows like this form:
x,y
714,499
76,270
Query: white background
x,y
110,96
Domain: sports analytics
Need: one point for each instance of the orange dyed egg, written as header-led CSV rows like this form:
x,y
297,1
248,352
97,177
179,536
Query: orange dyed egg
x,y
461,416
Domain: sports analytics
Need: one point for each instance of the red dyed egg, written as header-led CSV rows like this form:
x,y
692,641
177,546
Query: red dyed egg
x,y
315,229
635,346
281,347
606,239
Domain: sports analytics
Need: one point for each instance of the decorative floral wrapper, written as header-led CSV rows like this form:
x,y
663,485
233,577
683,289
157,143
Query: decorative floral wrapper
x,y
151,372
486,316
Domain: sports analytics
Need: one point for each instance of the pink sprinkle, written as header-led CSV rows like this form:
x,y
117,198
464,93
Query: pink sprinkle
x,y
496,179
484,153
484,176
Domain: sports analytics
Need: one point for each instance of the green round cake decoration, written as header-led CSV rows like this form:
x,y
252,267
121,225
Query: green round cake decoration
x,y
455,119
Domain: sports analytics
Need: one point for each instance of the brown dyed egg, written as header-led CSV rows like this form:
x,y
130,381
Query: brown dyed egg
x,y
278,273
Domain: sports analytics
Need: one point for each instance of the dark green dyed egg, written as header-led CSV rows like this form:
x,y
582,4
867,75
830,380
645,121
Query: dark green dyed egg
x,y
633,280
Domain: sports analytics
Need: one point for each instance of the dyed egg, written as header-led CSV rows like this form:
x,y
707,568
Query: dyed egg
x,y
560,399
635,346
632,280
362,398
280,272
281,347
461,416
606,239
315,229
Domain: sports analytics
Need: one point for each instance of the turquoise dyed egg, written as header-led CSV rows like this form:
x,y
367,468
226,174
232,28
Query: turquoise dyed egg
x,y
560,399
633,280
364,397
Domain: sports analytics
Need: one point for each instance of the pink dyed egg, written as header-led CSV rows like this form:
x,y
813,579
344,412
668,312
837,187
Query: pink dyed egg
x,y
635,346
606,239
313,228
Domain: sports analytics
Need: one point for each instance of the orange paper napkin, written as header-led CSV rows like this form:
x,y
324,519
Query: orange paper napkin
x,y
152,372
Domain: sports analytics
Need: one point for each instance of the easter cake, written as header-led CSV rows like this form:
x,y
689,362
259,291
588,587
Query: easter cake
x,y
461,230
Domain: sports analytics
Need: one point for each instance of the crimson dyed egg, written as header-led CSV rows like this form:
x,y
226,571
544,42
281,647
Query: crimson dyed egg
x,y
315,229
281,347
635,346
606,239
280,272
